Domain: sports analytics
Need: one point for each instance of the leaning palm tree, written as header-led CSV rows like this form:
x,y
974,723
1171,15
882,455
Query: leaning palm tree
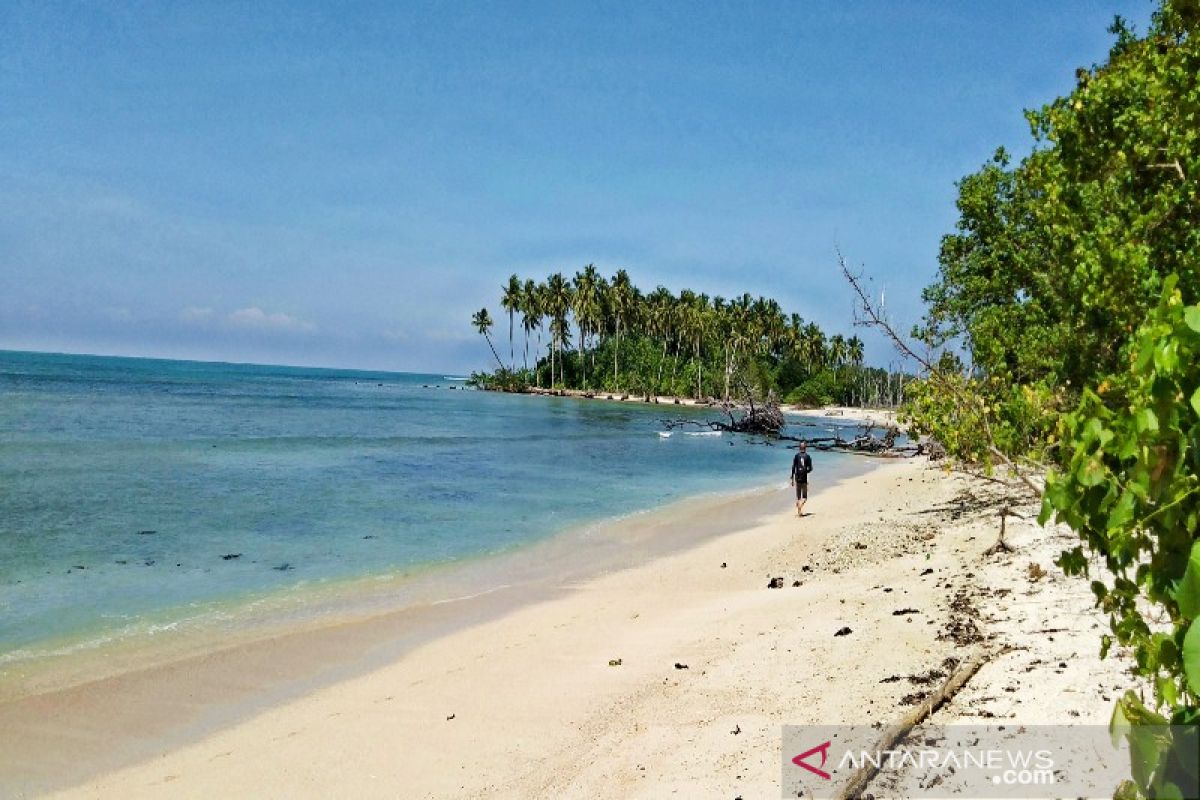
x,y
482,321
510,301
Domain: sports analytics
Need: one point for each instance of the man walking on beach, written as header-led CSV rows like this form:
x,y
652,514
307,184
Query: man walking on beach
x,y
801,466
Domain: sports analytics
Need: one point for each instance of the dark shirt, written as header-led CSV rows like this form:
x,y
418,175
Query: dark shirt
x,y
801,466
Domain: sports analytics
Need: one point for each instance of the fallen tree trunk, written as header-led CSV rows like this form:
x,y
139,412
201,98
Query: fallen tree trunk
x,y
762,422
858,781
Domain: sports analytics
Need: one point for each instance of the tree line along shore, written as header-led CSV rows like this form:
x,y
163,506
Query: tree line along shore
x,y
608,336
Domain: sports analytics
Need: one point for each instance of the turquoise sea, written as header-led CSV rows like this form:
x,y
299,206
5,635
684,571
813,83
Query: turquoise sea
x,y
143,489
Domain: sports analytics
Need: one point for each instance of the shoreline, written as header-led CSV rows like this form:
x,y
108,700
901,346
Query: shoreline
x,y
862,415
180,632
710,662
362,623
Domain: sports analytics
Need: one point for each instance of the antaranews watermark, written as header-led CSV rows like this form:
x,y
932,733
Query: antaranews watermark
x,y
983,761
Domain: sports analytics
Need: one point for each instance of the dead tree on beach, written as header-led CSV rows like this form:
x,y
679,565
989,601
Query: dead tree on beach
x,y
764,419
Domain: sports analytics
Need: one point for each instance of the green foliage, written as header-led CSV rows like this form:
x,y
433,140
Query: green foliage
x,y
1058,259
934,407
819,390
502,380
1071,283
1128,483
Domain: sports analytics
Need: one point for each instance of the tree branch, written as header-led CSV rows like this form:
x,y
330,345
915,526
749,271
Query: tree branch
x,y
874,319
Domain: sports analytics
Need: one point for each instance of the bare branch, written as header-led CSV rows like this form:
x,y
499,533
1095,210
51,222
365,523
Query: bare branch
x,y
874,319
1175,165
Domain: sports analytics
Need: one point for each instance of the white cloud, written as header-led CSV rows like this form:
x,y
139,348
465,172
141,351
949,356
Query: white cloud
x,y
255,317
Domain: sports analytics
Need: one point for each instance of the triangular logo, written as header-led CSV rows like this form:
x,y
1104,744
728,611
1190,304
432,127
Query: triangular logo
x,y
823,749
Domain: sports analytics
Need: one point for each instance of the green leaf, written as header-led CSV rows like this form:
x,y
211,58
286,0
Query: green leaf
x,y
1145,753
1166,356
1146,420
1092,473
1122,513
1187,593
1118,724
1191,656
1167,691
1169,791
1191,315
1196,401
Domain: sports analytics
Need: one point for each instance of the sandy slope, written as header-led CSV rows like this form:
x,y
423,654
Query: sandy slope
x,y
528,706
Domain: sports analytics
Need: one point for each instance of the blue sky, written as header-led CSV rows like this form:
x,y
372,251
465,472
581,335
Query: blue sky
x,y
342,184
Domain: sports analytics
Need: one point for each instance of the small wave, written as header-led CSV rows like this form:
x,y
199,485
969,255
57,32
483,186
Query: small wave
x,y
454,378
665,434
470,596
703,433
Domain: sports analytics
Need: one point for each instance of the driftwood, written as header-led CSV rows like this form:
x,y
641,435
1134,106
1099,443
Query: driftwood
x,y
1001,546
858,781
768,421
867,443
764,420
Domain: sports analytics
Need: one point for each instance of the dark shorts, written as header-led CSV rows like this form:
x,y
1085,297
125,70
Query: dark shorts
x,y
801,490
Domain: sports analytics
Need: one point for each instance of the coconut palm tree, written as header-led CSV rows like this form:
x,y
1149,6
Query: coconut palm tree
x,y
659,323
558,302
854,354
682,317
854,350
814,346
510,301
531,317
482,321
586,307
560,331
837,351
622,300
699,322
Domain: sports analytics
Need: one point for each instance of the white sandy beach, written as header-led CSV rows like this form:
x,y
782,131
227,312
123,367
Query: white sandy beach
x,y
527,705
